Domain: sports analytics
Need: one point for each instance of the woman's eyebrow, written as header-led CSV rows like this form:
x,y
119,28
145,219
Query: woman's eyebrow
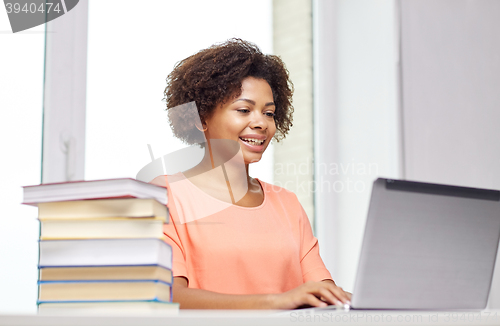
x,y
253,102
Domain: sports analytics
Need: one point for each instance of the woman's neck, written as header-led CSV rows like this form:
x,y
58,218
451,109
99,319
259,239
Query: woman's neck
x,y
221,171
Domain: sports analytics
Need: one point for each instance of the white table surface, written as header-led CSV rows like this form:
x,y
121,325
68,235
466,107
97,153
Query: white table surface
x,y
264,318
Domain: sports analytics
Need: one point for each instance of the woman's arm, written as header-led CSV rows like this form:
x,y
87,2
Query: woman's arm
x,y
306,294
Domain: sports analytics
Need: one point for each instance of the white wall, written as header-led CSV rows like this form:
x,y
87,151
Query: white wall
x,y
21,94
357,117
367,120
451,101
446,127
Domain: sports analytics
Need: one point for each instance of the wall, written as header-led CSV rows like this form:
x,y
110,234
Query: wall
x,y
292,41
356,122
411,86
451,82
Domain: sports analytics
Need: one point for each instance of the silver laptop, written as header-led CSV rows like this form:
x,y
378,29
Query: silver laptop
x,y
427,246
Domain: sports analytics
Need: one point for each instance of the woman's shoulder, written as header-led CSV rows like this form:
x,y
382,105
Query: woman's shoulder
x,y
280,199
160,180
277,191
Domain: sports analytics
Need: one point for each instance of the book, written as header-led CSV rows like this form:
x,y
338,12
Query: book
x,y
110,307
96,273
105,252
61,291
101,229
95,189
103,208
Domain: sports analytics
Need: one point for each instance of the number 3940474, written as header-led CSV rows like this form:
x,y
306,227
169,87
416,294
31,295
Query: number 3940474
x,y
45,7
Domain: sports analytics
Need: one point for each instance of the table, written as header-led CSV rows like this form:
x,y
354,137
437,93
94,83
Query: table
x,y
264,318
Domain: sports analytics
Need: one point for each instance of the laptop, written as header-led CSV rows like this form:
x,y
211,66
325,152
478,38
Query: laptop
x,y
427,246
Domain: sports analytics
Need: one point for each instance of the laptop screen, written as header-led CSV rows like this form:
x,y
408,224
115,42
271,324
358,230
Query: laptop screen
x,y
427,246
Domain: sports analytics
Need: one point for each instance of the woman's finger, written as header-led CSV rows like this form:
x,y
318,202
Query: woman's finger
x,y
339,293
328,296
314,302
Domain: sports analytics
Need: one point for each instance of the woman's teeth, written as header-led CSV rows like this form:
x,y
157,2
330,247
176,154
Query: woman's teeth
x,y
252,141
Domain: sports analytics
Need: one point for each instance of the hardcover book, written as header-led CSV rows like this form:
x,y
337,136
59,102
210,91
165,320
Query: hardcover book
x,y
94,189
101,229
101,273
81,291
105,252
103,208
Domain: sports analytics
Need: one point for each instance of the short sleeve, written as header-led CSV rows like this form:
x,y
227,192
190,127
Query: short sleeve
x,y
172,233
313,268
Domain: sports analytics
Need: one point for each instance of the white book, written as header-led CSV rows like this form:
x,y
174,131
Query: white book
x,y
94,189
105,252
110,308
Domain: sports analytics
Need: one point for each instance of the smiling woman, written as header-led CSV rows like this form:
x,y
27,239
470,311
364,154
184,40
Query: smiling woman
x,y
214,76
257,250
248,119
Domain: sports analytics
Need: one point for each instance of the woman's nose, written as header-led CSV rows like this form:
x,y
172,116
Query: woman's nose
x,y
258,121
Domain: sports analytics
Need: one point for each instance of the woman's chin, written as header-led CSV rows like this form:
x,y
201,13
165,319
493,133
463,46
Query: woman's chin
x,y
253,159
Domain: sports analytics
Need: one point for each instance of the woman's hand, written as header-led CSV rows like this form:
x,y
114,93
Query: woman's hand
x,y
314,294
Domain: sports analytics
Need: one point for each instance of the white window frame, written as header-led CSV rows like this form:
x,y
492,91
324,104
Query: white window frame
x,y
65,81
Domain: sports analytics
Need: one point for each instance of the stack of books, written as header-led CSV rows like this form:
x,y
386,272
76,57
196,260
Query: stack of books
x,y
102,247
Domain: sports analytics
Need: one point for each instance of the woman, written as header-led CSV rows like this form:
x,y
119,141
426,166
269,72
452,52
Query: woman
x,y
238,242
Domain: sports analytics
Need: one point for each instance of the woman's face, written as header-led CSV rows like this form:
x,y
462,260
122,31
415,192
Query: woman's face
x,y
247,119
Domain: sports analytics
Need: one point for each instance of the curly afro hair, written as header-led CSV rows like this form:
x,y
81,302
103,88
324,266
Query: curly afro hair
x,y
213,76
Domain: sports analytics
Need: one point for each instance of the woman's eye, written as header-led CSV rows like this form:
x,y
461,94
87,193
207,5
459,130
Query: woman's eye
x,y
243,110
270,114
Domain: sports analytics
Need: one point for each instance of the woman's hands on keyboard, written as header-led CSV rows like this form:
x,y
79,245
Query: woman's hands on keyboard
x,y
314,294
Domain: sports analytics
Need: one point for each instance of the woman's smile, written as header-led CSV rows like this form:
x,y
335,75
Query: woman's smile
x,y
254,142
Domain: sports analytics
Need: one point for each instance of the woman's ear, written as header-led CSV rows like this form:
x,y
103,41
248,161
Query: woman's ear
x,y
201,126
